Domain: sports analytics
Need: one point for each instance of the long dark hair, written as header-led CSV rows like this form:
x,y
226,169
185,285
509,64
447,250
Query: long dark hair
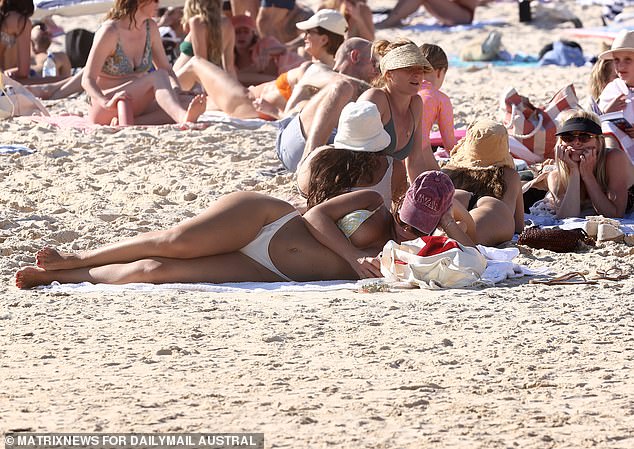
x,y
334,171
23,7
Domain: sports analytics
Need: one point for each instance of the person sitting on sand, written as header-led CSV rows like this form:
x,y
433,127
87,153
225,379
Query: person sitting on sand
x,y
403,68
601,75
247,236
447,12
590,179
358,15
436,104
313,126
268,100
125,48
258,60
487,184
40,44
355,161
15,35
210,35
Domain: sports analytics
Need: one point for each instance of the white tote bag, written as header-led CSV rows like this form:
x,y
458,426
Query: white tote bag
x,y
451,265
16,100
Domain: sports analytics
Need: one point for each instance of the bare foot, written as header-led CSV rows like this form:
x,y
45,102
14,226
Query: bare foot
x,y
29,277
196,107
51,259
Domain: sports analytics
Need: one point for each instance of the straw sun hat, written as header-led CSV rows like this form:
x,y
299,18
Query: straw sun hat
x,y
486,144
624,41
360,128
408,55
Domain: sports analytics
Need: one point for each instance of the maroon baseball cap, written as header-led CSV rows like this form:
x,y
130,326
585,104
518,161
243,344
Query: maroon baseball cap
x,y
426,200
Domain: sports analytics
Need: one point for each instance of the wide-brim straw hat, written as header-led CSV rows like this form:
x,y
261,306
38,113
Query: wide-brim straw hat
x,y
486,144
360,128
624,41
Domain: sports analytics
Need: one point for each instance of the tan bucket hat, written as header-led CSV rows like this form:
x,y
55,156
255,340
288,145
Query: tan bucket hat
x,y
624,41
485,145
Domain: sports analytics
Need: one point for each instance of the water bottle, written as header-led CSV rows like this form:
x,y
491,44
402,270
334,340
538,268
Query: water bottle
x,y
49,69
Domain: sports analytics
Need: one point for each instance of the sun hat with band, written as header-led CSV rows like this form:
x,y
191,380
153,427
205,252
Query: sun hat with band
x,y
486,144
403,56
624,41
328,19
360,128
427,200
579,124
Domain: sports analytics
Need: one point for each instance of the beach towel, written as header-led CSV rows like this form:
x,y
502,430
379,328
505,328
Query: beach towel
x,y
500,266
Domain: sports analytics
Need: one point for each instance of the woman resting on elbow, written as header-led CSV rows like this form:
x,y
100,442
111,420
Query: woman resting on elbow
x,y
15,38
210,35
486,182
118,69
590,178
338,239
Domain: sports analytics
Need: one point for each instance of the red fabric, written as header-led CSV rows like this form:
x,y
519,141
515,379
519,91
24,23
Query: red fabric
x,y
436,244
436,139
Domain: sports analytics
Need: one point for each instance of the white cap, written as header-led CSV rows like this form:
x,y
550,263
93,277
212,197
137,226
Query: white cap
x,y
328,19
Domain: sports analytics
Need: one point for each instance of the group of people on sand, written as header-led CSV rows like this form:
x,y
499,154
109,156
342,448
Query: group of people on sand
x,y
356,122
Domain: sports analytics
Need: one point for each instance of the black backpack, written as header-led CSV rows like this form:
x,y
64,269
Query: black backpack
x,y
78,44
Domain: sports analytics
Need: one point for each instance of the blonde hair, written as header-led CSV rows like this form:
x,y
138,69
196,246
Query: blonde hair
x,y
211,12
600,172
602,73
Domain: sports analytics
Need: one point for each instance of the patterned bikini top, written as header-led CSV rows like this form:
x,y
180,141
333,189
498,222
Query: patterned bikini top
x,y
119,64
8,40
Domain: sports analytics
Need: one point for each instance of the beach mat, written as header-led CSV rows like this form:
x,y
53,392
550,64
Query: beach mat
x,y
500,266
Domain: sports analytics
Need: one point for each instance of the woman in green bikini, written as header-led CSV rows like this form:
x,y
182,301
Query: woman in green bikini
x,y
210,35
247,236
125,48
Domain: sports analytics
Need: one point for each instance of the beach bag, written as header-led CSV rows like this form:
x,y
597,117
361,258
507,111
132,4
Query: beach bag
x,y
432,262
16,100
554,239
535,127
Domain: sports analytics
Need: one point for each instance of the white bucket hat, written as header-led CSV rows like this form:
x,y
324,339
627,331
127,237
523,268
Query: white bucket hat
x,y
360,128
624,41
328,19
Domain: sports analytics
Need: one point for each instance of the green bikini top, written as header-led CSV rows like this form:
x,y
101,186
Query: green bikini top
x,y
119,64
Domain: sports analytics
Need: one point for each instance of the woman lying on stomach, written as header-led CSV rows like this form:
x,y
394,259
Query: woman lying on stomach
x,y
590,178
247,236
486,182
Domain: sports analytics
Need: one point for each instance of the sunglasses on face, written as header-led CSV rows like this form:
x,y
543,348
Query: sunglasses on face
x,y
570,137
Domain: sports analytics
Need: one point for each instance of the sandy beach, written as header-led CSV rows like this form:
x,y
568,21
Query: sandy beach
x,y
515,365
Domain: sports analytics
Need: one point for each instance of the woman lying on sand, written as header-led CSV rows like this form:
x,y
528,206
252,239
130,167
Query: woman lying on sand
x,y
247,236
590,178
123,52
486,182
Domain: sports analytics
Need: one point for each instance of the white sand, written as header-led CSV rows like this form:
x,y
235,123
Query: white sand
x,y
517,365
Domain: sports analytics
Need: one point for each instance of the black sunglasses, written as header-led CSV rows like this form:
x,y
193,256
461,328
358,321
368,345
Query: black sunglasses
x,y
570,137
